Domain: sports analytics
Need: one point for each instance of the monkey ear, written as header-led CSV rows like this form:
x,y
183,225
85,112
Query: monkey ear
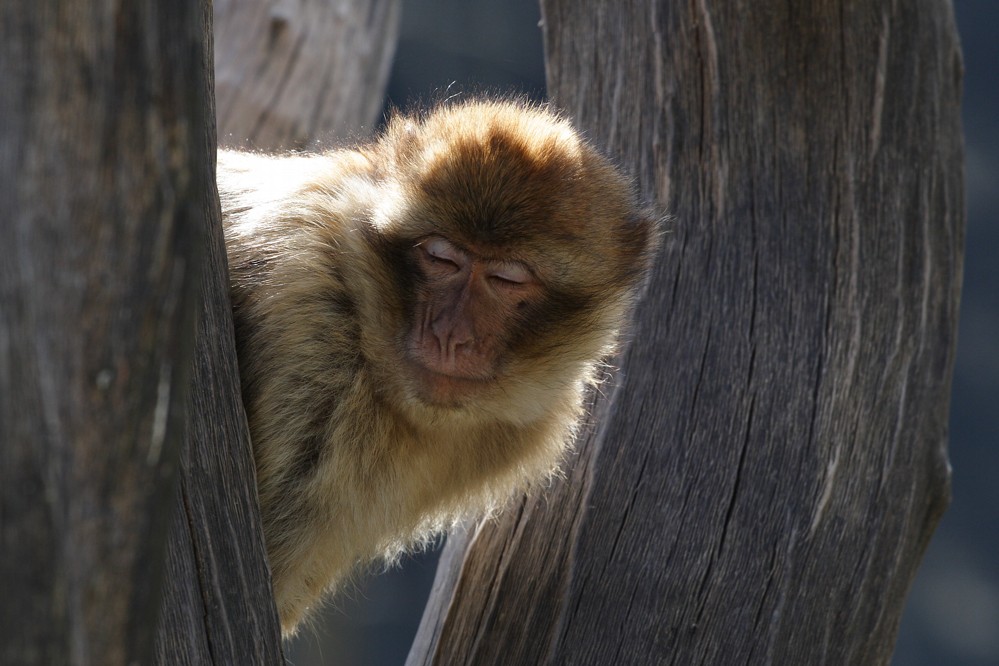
x,y
646,226
641,235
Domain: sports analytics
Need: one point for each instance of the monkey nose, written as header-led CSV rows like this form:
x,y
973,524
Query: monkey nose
x,y
452,345
451,332
452,341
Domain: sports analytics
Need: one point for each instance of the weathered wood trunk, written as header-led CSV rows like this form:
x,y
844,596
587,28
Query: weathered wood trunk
x,y
218,605
289,74
770,461
103,173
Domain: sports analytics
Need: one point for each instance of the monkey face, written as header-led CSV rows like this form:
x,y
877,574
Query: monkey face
x,y
464,313
508,251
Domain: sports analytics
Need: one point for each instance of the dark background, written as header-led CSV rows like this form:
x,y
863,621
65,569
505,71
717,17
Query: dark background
x,y
464,46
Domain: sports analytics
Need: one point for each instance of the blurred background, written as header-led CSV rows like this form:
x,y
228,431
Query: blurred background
x,y
952,618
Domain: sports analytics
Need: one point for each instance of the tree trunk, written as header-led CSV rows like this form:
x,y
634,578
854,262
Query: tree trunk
x,y
103,168
768,465
218,604
291,73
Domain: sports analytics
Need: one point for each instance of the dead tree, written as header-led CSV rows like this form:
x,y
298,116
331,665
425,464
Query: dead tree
x,y
291,74
218,606
764,474
106,180
103,186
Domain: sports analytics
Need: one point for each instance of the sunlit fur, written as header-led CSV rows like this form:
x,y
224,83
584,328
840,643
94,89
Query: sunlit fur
x,y
351,465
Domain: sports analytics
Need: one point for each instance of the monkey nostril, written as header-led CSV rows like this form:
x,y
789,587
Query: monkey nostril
x,y
449,333
451,348
458,344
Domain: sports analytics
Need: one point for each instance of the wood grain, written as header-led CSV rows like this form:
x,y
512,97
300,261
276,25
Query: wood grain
x,y
295,74
102,175
773,460
218,605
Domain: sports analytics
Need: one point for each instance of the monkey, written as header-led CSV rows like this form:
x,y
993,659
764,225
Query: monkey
x,y
417,320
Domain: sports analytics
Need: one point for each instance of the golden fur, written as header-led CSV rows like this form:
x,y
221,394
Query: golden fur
x,y
352,465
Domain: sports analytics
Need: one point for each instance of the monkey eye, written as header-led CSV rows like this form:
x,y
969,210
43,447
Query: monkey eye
x,y
511,274
442,253
440,249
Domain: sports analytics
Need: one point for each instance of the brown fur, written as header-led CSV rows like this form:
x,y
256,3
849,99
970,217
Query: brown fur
x,y
351,464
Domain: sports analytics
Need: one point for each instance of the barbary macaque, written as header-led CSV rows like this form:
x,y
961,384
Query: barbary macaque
x,y
417,319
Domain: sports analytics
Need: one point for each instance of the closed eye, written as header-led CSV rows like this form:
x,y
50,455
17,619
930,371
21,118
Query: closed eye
x,y
440,249
441,256
511,274
441,260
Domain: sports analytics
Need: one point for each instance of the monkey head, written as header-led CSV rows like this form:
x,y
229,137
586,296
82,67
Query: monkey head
x,y
416,321
511,249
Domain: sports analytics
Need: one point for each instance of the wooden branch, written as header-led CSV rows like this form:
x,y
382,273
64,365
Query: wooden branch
x,y
773,461
102,158
291,73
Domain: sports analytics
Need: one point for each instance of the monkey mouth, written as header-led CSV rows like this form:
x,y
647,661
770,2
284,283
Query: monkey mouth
x,y
445,389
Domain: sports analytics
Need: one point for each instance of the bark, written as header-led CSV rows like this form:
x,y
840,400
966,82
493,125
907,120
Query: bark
x,y
102,174
291,73
763,476
218,604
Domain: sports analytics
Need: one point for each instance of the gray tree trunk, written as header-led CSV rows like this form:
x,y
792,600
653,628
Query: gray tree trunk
x,y
289,74
107,188
218,607
103,173
218,604
769,463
